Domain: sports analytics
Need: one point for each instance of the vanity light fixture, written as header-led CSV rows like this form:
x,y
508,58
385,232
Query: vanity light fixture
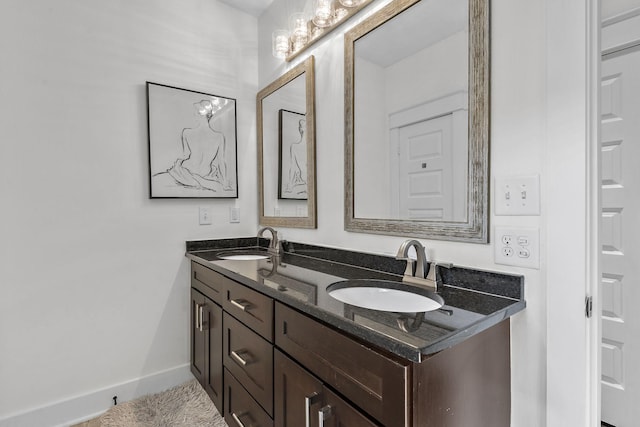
x,y
327,14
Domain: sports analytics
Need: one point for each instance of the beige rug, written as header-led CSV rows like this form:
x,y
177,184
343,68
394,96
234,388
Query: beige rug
x,y
185,405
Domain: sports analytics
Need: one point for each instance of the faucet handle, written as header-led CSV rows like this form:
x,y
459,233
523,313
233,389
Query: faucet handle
x,y
433,270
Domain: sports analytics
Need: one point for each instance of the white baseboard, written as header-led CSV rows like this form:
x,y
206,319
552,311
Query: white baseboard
x,y
82,408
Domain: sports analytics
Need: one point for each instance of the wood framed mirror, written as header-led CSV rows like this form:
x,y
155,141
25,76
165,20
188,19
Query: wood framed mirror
x,y
417,121
286,149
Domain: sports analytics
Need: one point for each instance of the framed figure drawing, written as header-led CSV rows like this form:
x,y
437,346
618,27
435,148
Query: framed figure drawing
x,y
292,153
192,144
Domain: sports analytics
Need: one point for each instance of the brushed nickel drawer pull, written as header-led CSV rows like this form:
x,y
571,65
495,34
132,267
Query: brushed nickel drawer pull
x,y
323,414
240,359
196,315
308,401
236,418
241,304
201,315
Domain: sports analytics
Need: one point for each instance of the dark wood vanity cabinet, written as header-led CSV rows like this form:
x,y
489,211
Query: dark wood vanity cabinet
x,y
266,364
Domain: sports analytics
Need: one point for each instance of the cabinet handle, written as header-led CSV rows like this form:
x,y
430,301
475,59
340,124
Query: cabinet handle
x,y
201,315
308,401
323,414
196,315
239,358
236,418
241,304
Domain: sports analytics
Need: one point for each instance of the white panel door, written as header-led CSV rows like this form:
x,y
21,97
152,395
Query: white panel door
x,y
425,168
620,233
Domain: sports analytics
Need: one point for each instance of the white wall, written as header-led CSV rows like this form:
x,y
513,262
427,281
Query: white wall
x,y
93,279
520,112
371,175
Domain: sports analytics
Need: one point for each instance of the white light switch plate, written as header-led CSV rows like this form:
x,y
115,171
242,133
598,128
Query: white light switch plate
x,y
234,214
205,215
517,246
517,195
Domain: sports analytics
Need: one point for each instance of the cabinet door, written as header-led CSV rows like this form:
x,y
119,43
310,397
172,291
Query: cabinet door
x,y
198,336
206,345
213,378
297,394
338,413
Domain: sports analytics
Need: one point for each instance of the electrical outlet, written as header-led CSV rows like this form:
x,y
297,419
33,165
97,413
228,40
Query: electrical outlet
x,y
205,215
517,195
519,247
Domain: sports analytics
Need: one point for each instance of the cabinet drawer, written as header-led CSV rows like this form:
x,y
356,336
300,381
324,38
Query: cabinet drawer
x,y
240,409
250,307
374,382
341,413
207,281
250,359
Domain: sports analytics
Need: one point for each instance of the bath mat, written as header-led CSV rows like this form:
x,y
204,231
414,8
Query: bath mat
x,y
185,405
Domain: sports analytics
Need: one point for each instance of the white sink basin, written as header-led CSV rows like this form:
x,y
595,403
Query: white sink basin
x,y
243,254
385,295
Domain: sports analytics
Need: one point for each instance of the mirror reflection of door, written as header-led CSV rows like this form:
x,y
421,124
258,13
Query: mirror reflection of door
x,y
620,230
425,169
411,89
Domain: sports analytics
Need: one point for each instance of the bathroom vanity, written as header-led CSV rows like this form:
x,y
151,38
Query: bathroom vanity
x,y
272,348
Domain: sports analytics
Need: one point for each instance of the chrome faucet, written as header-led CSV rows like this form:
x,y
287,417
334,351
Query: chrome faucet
x,y
417,275
417,270
274,244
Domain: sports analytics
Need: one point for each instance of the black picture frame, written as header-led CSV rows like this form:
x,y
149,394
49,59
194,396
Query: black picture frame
x,y
192,138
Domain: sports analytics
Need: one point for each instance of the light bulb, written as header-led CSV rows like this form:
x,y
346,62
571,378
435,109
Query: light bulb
x,y
350,3
280,43
323,12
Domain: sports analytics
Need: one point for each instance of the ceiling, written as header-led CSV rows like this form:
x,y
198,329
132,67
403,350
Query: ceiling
x,y
253,7
420,26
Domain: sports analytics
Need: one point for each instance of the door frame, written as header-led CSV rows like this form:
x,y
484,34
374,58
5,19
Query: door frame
x,y
572,156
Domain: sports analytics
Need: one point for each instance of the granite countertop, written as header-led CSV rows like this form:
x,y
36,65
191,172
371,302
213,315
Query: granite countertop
x,y
474,300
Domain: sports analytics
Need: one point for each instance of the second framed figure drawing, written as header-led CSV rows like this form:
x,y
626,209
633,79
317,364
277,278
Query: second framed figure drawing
x,y
292,165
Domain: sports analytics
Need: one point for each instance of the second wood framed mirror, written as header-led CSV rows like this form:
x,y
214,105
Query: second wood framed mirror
x,y
286,149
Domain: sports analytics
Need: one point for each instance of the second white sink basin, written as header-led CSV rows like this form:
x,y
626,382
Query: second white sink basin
x,y
385,295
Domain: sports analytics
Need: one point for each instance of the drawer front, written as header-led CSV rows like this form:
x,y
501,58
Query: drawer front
x,y
240,409
377,384
250,307
340,413
208,282
249,358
